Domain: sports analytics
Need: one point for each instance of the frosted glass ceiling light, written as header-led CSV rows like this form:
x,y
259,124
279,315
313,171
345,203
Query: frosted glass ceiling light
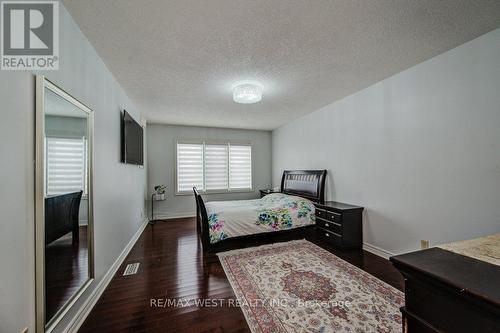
x,y
247,93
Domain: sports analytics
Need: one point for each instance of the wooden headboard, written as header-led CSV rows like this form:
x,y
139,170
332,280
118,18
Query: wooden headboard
x,y
309,184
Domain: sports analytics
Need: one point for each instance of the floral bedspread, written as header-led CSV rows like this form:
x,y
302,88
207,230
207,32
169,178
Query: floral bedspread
x,y
486,248
273,212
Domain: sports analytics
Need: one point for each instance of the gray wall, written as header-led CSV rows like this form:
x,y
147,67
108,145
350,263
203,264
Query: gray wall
x,y
119,189
161,163
419,150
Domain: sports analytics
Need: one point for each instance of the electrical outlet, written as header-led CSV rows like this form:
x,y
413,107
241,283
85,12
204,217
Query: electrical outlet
x,y
424,244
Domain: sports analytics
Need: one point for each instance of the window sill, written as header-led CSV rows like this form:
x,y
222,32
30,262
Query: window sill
x,y
215,192
84,196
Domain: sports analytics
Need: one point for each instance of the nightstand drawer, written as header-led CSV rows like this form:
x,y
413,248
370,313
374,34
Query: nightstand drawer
x,y
330,226
321,213
334,217
330,237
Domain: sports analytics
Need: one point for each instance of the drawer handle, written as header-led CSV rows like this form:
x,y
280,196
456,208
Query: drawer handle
x,y
327,225
327,235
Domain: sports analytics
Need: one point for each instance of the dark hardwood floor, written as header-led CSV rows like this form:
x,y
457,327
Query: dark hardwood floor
x,y
173,266
66,270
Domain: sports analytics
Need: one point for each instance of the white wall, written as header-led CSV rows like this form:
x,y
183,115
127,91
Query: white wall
x,y
419,150
161,164
119,189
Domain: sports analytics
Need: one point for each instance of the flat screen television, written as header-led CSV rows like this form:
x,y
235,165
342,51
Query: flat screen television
x,y
131,140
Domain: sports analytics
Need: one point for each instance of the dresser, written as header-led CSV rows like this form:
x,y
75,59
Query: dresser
x,y
449,292
340,224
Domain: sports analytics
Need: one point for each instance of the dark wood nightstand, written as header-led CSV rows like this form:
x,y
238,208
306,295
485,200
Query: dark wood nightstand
x,y
263,193
340,224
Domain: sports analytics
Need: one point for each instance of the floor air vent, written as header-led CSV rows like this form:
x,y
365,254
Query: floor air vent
x,y
131,269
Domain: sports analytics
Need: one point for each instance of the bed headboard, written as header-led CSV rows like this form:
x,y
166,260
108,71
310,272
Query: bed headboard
x,y
309,184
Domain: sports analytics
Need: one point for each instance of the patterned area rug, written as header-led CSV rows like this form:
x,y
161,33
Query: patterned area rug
x,y
300,287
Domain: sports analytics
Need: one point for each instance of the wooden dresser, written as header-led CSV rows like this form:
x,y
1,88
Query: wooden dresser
x,y
449,292
340,224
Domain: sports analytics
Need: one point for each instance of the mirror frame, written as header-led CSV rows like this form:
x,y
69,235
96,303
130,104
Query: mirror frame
x,y
41,84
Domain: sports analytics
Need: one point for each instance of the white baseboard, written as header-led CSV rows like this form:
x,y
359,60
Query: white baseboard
x,y
77,321
377,251
169,216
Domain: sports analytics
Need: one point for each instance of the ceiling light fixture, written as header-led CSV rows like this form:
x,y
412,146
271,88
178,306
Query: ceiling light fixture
x,y
247,93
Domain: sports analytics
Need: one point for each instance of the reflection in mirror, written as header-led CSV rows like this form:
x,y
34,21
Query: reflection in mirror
x,y
66,201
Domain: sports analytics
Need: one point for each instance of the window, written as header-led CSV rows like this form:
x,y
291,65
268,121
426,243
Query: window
x,y
240,167
189,167
66,164
213,167
216,164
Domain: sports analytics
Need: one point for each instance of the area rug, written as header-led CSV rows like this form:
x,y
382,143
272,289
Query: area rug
x,y
299,287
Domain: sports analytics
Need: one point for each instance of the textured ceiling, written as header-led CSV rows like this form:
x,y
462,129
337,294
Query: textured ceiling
x,y
178,59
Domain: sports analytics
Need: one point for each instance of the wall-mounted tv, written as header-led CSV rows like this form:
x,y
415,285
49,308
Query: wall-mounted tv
x,y
132,147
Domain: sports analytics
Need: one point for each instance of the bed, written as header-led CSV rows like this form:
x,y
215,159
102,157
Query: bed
x,y
61,216
226,224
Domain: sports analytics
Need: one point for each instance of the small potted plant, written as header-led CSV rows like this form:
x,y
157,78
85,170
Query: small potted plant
x,y
159,193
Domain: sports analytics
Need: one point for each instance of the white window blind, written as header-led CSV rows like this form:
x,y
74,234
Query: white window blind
x,y
216,164
66,164
189,167
240,167
213,167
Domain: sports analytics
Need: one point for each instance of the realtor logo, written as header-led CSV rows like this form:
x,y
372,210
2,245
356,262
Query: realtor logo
x,y
29,35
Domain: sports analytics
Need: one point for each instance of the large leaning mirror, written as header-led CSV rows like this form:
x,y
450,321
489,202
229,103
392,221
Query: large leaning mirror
x,y
63,195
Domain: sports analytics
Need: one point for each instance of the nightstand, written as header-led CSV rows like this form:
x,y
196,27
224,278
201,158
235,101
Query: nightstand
x,y
340,224
263,193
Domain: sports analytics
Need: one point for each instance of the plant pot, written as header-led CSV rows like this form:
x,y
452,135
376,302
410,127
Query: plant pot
x,y
159,196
